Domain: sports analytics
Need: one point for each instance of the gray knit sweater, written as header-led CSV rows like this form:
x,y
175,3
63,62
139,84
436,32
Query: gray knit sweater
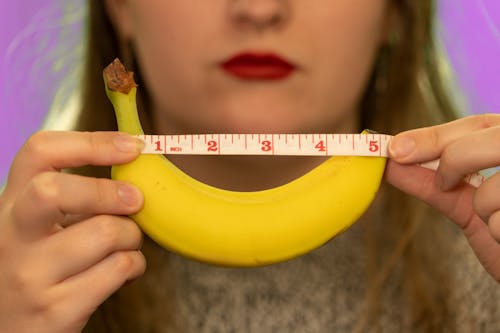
x,y
319,292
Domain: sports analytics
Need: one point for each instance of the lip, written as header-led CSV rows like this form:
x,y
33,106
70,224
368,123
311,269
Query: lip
x,y
258,66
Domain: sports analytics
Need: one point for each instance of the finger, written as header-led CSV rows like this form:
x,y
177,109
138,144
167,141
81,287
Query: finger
x,y
421,183
84,292
494,224
455,204
468,154
55,150
426,144
485,246
80,246
486,199
42,207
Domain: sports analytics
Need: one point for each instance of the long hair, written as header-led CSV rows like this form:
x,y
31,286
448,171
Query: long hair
x,y
406,90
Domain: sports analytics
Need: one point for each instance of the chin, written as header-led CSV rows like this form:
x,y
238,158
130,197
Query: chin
x,y
258,126
252,121
257,112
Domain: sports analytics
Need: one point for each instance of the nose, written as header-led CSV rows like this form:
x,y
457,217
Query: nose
x,y
259,14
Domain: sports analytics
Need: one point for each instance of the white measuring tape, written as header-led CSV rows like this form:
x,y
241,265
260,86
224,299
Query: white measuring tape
x,y
370,144
268,144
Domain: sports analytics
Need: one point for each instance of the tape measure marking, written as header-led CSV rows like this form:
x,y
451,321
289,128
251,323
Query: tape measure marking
x,y
371,144
268,144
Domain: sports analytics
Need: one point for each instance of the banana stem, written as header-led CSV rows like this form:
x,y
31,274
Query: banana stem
x,y
121,90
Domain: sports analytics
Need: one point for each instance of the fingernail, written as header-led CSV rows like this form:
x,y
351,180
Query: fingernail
x,y
128,144
401,146
129,195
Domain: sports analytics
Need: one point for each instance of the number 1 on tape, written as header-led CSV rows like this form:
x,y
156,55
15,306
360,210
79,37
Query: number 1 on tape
x,y
268,144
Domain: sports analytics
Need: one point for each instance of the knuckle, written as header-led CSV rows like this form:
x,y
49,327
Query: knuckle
x,y
42,191
24,284
22,281
484,121
94,141
124,262
108,232
41,306
44,188
38,300
36,144
44,309
434,137
101,191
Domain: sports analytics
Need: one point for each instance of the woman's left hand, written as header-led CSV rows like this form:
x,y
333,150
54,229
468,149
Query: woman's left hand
x,y
464,146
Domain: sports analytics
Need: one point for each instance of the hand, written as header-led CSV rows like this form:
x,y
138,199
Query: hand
x,y
65,245
464,146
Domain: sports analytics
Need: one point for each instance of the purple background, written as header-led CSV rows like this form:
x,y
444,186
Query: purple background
x,y
30,31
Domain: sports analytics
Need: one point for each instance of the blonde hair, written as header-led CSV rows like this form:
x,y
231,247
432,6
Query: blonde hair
x,y
406,91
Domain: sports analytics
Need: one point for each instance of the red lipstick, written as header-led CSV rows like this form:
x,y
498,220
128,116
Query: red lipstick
x,y
258,66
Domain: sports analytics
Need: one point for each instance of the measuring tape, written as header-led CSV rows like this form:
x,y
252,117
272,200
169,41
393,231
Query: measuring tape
x,y
268,144
370,144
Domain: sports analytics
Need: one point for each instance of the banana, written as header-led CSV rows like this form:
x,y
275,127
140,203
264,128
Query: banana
x,y
241,229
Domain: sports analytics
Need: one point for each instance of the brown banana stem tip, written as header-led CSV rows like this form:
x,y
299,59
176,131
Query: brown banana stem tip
x,y
118,78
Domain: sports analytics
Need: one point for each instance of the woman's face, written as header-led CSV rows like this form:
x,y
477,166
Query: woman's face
x,y
254,65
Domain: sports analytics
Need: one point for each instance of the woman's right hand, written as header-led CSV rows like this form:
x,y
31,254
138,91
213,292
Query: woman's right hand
x,y
65,243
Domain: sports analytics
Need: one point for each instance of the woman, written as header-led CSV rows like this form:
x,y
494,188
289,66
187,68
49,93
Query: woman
x,y
258,66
